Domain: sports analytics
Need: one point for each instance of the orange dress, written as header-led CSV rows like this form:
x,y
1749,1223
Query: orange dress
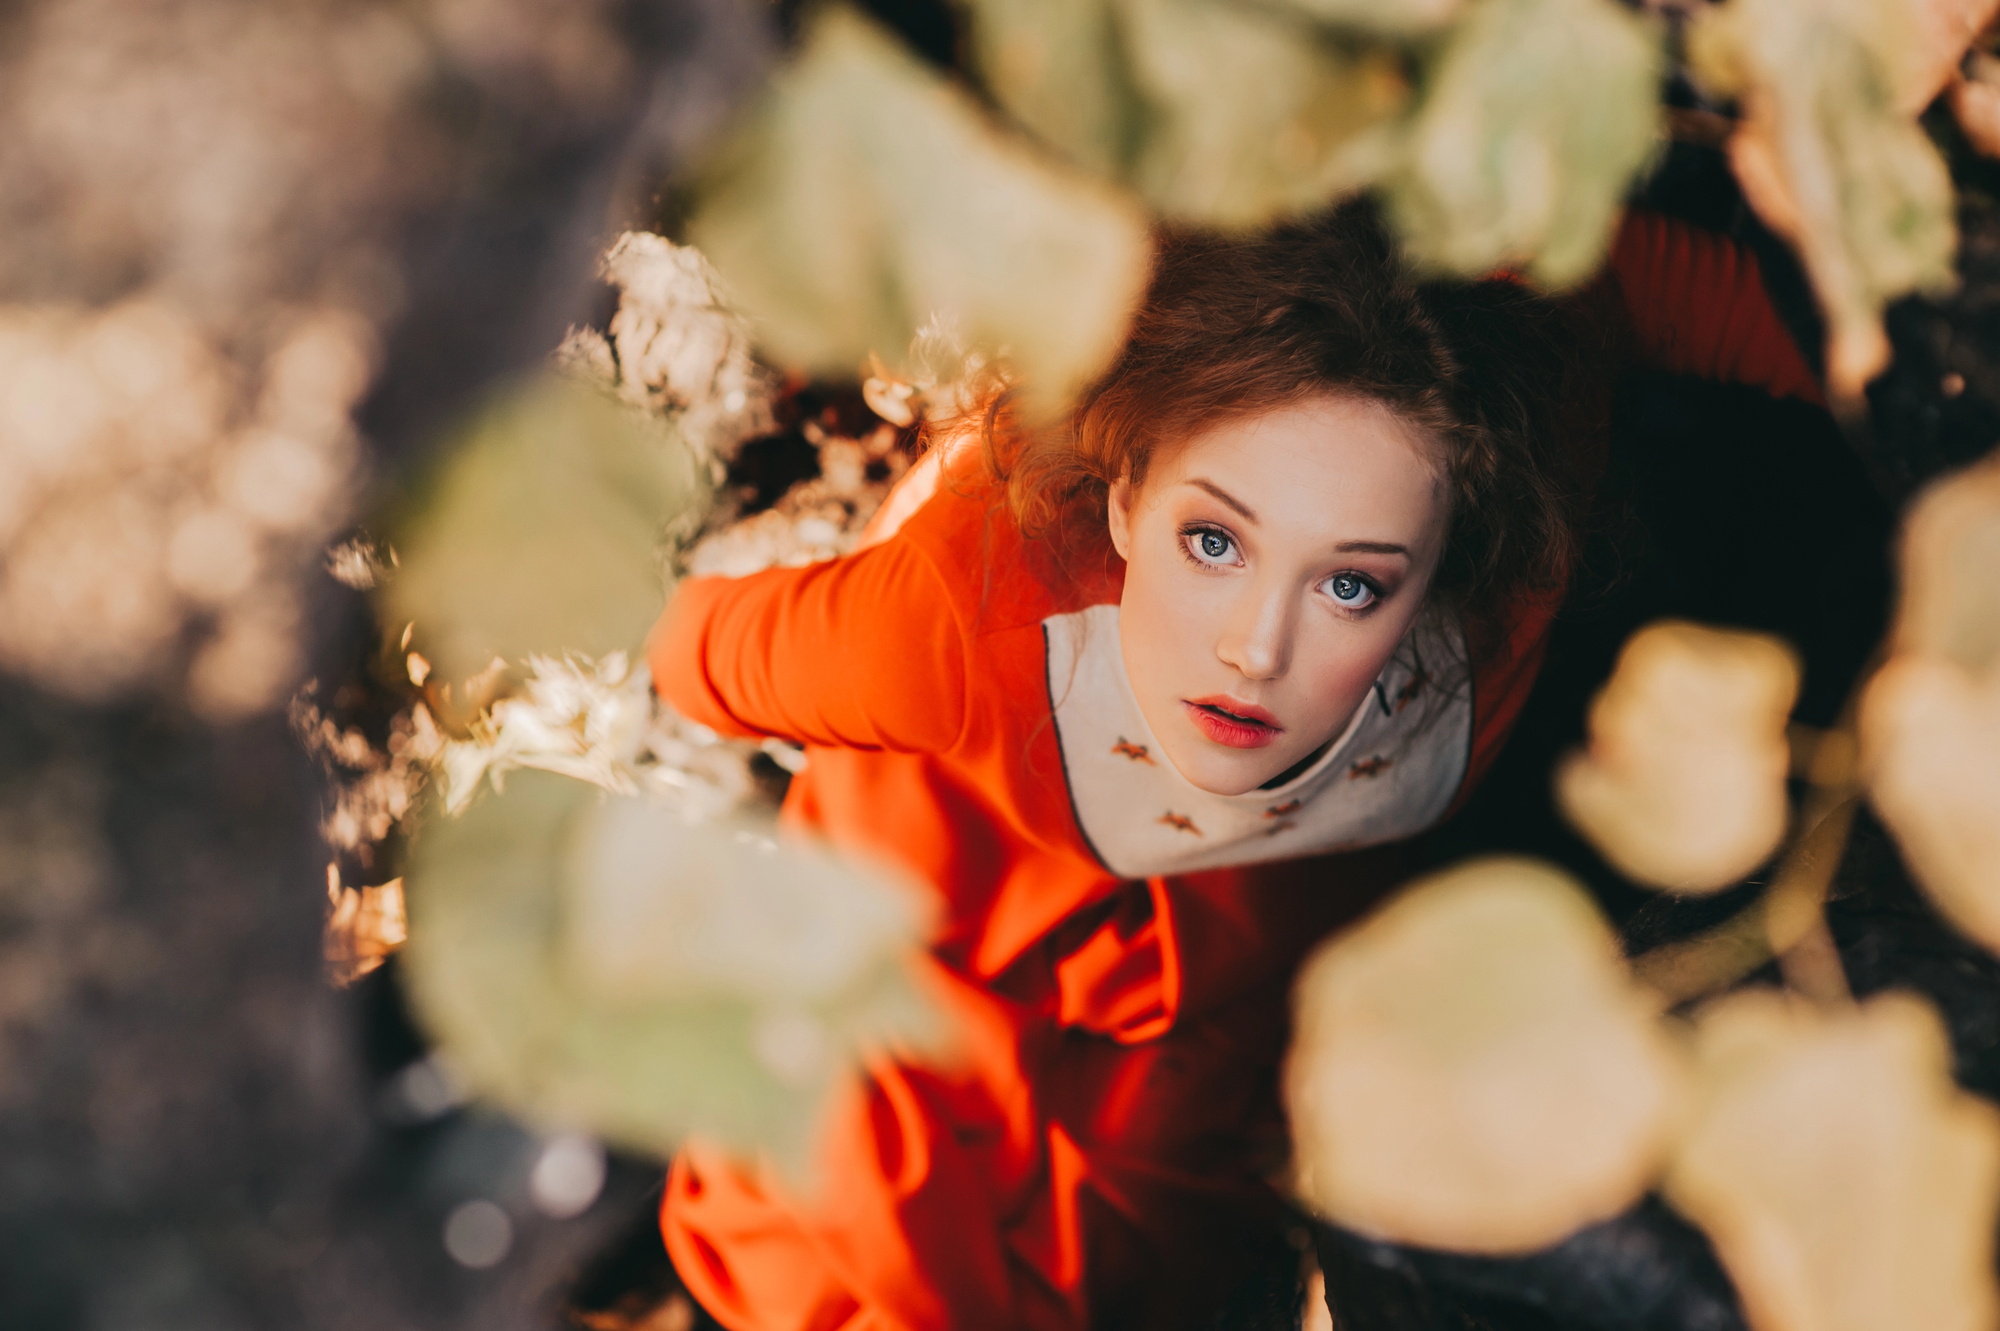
x,y
1116,944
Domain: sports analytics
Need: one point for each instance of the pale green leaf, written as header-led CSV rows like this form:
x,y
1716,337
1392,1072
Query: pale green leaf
x,y
539,531
1215,112
1058,68
868,195
600,964
1535,117
1250,114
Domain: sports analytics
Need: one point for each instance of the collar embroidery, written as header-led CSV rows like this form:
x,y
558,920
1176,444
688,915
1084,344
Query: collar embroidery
x,y
1390,774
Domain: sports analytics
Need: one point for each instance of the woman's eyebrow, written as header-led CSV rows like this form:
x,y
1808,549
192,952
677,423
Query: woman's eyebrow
x,y
1372,548
1224,496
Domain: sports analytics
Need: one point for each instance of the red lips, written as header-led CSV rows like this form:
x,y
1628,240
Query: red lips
x,y
1233,722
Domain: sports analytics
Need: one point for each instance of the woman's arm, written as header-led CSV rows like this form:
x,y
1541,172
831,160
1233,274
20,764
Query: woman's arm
x,y
862,652
1697,305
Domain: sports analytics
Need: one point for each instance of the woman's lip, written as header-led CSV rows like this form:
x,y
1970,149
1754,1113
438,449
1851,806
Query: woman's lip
x,y
1221,722
1237,708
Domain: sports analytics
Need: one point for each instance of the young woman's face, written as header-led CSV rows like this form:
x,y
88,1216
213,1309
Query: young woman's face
x,y
1273,564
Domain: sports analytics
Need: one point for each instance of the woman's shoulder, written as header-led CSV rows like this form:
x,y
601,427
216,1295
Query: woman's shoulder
x,y
952,506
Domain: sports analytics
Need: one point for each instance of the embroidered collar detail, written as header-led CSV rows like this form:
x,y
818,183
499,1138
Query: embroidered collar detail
x,y
1390,774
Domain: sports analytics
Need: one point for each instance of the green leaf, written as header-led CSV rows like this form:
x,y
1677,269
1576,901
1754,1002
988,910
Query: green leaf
x,y
867,195
1250,114
1214,112
1536,116
599,964
1058,68
540,529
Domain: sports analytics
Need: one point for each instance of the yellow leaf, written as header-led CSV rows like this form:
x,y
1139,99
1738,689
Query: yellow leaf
x,y
1930,751
867,195
1930,719
1831,160
1536,114
1683,786
1847,1184
1473,1068
1401,18
1939,33
1950,565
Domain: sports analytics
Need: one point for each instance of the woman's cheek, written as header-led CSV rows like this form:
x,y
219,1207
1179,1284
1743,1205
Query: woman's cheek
x,y
1345,664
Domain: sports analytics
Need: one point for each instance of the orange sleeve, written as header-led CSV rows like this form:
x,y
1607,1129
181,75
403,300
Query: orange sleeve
x,y
1697,305
862,652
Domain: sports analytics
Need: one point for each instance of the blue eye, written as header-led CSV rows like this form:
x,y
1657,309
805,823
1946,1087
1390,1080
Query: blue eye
x,y
1206,545
1350,591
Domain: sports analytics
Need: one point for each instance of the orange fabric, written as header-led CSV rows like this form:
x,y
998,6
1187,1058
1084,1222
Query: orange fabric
x,y
1100,1150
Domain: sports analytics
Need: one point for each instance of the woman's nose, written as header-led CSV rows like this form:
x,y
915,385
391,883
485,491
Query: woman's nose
x,y
1258,644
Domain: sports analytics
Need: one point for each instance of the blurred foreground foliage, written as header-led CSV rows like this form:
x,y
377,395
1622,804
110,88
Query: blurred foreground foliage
x,y
1476,1068
541,529
867,194
594,962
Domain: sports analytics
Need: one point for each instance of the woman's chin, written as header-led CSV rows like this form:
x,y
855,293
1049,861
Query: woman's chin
x,y
1221,770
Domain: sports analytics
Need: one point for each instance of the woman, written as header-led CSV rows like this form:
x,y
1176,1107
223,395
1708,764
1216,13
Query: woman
x,y
1148,698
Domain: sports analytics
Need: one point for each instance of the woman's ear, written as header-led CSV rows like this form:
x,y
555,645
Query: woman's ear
x,y
1118,515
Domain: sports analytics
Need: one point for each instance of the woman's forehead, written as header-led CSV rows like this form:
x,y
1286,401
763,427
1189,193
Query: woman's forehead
x,y
1326,442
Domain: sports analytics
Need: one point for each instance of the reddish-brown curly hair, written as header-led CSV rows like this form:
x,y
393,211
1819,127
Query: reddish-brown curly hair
x,y
1510,384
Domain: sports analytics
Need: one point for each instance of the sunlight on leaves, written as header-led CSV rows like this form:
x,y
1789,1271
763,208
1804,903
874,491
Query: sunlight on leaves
x,y
1473,1068
540,529
599,964
1683,785
868,195
1832,160
1847,1184
1536,115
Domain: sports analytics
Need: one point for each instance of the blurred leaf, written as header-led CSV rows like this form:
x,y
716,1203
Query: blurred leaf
x,y
1536,114
1940,31
1831,160
1683,786
869,195
1847,1184
600,964
1930,746
1975,103
1215,112
1930,719
1058,67
1250,114
1473,1068
540,531
1950,565
1401,18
